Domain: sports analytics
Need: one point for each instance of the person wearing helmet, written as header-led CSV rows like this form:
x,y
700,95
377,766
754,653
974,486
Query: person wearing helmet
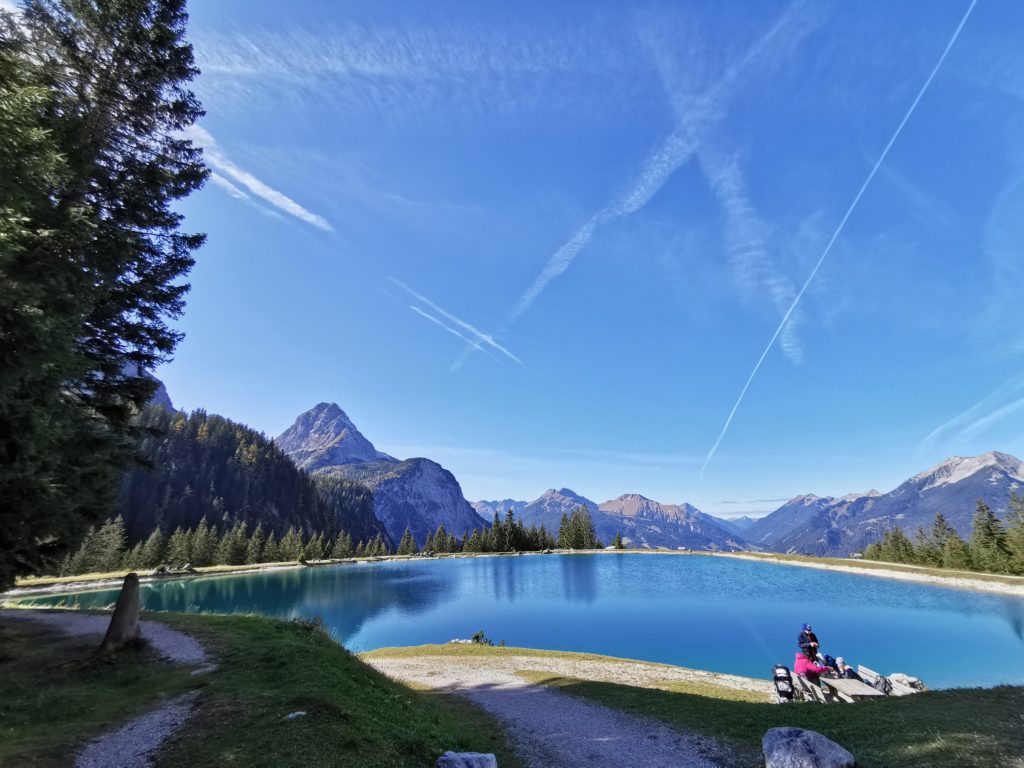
x,y
808,642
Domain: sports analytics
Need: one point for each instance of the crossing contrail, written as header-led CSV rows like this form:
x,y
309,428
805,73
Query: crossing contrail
x,y
835,235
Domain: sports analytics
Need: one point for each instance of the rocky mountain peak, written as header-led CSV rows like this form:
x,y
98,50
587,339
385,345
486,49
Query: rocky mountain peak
x,y
325,436
957,468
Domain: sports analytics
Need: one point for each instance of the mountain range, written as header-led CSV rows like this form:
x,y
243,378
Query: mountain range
x,y
420,494
816,525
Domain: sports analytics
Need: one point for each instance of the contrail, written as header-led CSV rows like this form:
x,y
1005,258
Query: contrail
x,y
839,229
672,153
480,335
452,331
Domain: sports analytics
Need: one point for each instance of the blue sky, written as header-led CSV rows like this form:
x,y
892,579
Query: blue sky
x,y
614,206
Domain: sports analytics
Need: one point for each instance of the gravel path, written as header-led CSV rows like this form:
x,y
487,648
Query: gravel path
x,y
551,729
134,744
171,644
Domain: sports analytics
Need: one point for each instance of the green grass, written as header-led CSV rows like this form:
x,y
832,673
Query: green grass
x,y
967,728
54,692
51,699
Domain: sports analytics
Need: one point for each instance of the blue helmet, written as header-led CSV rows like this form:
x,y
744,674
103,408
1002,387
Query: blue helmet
x,y
806,627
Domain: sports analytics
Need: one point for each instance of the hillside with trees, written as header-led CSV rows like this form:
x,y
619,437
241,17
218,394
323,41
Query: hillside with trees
x,y
199,466
993,546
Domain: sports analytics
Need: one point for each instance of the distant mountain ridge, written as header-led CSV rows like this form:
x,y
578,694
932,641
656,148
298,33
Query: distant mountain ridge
x,y
416,493
838,526
817,525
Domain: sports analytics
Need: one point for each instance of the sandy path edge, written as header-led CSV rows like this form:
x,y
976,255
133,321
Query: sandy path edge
x,y
549,728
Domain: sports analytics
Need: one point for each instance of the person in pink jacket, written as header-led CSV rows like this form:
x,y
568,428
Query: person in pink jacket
x,y
809,669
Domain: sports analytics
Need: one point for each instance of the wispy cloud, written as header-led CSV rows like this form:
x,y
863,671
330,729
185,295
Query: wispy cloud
x,y
700,115
216,158
749,242
479,337
219,181
412,69
838,231
1005,401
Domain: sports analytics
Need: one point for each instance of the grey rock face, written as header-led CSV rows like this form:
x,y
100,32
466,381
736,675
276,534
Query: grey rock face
x,y
324,436
466,760
797,748
644,522
418,493
487,509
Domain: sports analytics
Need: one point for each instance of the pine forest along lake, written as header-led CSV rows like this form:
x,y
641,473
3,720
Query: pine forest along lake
x,y
714,613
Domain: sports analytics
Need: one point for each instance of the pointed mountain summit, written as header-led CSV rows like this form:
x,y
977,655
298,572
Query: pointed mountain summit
x,y
416,493
324,436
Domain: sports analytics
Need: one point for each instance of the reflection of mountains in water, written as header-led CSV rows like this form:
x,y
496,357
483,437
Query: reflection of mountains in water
x,y
528,577
344,596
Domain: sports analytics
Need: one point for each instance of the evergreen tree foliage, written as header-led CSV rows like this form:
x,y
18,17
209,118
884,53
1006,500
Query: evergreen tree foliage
x,y
272,550
204,544
255,545
153,550
290,549
989,550
1015,533
179,547
92,160
577,531
955,553
343,548
617,541
202,465
408,544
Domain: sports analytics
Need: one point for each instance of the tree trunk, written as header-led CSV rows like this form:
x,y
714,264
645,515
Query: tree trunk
x,y
124,624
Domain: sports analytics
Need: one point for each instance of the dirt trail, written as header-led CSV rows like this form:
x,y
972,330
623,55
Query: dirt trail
x,y
549,728
134,744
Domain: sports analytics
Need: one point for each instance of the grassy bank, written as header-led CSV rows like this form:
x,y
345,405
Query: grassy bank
x,y
53,696
968,728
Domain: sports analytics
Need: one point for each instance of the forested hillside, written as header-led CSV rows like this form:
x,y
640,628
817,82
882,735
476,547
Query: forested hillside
x,y
201,465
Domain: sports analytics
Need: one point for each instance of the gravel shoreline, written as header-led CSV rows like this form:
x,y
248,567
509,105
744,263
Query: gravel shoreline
x,y
550,729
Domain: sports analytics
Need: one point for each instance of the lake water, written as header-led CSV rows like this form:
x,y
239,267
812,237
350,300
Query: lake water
x,y
712,613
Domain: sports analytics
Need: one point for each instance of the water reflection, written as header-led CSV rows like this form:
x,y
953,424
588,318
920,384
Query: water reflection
x,y
710,613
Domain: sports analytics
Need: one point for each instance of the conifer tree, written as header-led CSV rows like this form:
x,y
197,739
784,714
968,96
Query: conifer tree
x,y
93,161
315,547
179,548
271,549
1015,533
204,544
407,546
254,546
291,545
955,554
617,541
153,550
989,551
111,545
360,549
342,547
564,533
429,546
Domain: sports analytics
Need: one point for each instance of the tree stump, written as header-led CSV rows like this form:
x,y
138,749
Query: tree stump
x,y
124,624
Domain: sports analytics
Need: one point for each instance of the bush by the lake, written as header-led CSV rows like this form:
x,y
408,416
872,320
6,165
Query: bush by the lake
x,y
993,546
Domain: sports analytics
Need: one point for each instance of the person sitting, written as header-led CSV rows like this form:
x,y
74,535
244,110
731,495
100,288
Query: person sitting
x,y
845,670
808,641
809,669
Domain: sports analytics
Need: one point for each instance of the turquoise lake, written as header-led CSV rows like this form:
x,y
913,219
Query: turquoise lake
x,y
711,613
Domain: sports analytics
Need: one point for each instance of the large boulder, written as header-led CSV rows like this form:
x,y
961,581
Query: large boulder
x,y
797,748
466,760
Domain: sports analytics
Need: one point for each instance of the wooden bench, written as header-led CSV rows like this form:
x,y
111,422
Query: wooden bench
x,y
871,677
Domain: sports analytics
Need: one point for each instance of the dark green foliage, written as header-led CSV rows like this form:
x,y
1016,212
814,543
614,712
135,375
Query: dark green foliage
x,y
201,465
989,550
617,541
408,544
992,548
92,159
577,531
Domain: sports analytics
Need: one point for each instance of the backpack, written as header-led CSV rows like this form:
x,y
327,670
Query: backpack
x,y
783,682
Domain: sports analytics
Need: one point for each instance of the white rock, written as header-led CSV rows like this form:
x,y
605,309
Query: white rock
x,y
466,760
797,748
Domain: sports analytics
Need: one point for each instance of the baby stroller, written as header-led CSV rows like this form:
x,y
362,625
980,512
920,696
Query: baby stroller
x,y
783,681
